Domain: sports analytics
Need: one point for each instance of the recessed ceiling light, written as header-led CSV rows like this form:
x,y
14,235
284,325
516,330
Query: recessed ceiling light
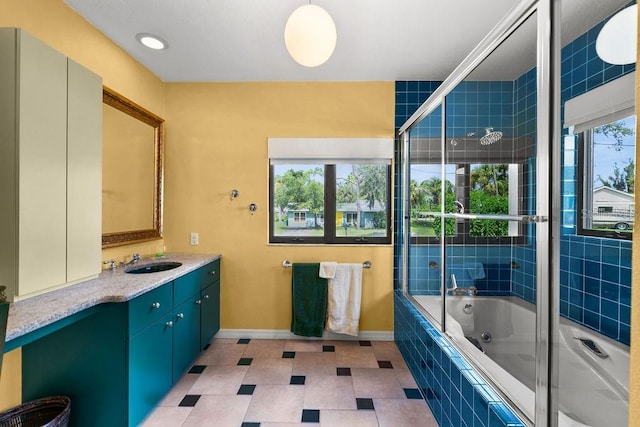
x,y
616,43
151,41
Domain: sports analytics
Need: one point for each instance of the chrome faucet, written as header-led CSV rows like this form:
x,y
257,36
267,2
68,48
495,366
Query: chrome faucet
x,y
134,259
457,291
111,262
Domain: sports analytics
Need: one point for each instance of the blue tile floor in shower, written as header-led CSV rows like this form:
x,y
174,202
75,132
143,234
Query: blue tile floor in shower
x,y
456,394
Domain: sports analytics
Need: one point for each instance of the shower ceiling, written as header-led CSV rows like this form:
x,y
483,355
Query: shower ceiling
x,y
243,40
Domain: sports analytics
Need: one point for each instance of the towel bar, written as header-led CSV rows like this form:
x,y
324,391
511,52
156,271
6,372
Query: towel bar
x,y
286,264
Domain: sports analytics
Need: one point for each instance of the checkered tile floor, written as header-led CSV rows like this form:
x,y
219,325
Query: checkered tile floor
x,y
269,383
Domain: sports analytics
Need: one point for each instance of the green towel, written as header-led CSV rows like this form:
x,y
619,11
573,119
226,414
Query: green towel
x,y
309,300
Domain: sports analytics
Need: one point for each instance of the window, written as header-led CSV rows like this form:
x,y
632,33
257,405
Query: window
x,y
604,122
475,188
606,179
323,194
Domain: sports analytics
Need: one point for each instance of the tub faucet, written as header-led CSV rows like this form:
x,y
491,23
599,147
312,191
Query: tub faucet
x,y
455,290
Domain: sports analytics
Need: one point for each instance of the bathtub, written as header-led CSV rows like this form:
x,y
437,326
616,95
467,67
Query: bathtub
x,y
593,390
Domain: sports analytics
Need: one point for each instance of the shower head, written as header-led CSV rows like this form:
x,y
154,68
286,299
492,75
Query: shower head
x,y
490,137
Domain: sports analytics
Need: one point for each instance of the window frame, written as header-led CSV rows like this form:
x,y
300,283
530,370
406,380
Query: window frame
x,y
463,226
329,214
584,179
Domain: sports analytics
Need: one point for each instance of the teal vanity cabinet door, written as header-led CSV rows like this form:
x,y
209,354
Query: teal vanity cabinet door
x,y
150,358
150,367
186,335
85,360
210,297
210,314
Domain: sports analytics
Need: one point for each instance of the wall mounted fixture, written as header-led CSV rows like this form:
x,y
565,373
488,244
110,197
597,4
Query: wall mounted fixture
x,y
234,194
310,35
152,41
490,136
617,41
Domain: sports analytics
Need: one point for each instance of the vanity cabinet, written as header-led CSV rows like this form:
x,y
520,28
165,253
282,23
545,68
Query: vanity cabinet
x,y
50,167
116,361
166,326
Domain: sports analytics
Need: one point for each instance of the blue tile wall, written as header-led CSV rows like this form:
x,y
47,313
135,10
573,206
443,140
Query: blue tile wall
x,y
474,105
409,96
455,393
424,268
523,278
595,284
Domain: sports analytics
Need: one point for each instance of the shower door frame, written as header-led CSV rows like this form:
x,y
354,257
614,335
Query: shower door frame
x,y
547,221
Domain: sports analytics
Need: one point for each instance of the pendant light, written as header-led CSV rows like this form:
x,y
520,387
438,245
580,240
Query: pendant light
x,y
310,35
617,41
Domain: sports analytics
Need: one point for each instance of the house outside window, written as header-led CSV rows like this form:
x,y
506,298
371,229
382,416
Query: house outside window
x,y
607,179
336,197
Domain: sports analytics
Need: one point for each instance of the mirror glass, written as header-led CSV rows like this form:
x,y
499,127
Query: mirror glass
x,y
131,172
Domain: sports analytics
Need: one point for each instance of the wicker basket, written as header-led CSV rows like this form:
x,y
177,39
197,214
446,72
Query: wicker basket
x,y
46,412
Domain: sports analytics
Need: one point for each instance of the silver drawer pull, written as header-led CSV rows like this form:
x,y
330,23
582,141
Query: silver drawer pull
x,y
155,305
198,301
206,296
213,273
180,315
169,324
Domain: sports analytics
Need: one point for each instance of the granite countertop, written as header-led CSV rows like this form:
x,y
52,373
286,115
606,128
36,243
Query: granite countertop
x,y
110,286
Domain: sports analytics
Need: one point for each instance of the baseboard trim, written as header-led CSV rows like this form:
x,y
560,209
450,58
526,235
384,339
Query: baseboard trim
x,y
283,334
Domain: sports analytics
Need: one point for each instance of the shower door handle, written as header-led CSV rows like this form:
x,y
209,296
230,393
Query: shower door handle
x,y
497,217
535,218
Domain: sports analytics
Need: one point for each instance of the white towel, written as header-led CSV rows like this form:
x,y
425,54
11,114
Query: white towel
x,y
344,297
328,269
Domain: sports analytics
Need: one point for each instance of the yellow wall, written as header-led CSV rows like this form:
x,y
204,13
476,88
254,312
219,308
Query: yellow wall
x,y
217,141
11,379
634,374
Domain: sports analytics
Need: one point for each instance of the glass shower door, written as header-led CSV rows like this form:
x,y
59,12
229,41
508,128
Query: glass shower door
x,y
490,247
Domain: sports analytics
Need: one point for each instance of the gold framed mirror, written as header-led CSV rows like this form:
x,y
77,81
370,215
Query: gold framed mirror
x,y
132,171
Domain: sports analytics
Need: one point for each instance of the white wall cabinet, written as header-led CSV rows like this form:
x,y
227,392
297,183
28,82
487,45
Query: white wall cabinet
x,y
50,162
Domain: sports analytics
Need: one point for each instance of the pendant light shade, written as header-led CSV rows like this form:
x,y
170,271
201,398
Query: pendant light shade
x,y
616,42
310,35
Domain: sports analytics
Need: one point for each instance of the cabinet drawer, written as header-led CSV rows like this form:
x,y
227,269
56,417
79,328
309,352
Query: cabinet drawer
x,y
186,286
149,307
210,273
